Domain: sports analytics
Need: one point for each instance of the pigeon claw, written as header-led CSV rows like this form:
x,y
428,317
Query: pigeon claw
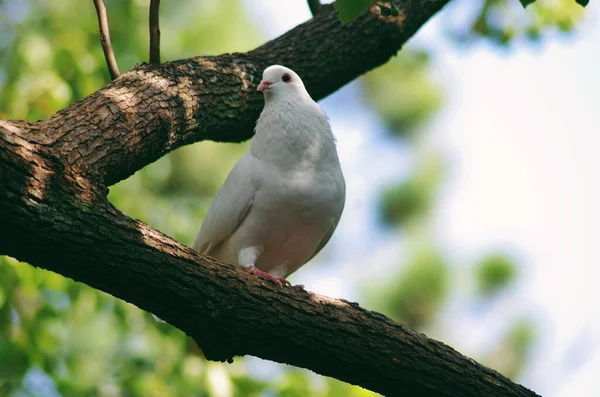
x,y
278,280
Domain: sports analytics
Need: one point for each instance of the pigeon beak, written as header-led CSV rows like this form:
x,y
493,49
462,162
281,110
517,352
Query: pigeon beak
x,y
264,85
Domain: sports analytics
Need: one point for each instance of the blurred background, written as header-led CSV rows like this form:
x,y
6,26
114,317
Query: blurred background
x,y
472,212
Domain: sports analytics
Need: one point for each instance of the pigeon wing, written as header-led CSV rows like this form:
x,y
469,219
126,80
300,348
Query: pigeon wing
x,y
229,207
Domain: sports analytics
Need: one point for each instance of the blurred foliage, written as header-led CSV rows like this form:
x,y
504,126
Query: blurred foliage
x,y
417,293
51,53
504,21
401,202
500,21
508,356
410,199
403,91
495,273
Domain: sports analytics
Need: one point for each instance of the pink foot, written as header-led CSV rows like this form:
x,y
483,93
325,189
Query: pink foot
x,y
257,272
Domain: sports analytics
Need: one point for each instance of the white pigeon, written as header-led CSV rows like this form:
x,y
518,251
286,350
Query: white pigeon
x,y
283,199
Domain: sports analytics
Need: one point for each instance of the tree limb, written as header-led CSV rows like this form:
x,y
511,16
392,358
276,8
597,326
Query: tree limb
x,y
154,32
314,6
54,212
215,98
109,56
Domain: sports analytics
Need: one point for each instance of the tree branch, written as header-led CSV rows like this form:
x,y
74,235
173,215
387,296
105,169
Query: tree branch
x,y
54,212
215,98
109,56
315,6
154,32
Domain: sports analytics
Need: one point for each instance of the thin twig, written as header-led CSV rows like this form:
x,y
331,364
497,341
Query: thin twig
x,y
109,55
315,6
154,33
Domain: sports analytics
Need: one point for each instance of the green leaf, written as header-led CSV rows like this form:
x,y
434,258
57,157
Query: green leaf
x,y
495,273
582,3
402,202
416,295
351,9
525,3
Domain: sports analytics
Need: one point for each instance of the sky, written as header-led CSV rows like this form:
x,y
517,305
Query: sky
x,y
522,129
520,133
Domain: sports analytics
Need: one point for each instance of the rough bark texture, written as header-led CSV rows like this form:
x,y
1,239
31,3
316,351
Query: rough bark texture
x,y
54,212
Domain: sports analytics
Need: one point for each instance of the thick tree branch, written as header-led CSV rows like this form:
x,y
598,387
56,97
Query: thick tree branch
x,y
215,97
154,32
54,212
109,56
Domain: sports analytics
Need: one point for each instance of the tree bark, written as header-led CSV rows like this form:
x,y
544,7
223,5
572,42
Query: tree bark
x,y
54,213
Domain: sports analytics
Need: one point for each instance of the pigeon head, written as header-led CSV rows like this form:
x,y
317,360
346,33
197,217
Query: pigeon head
x,y
279,80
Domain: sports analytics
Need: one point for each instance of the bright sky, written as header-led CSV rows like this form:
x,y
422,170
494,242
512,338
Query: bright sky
x,y
520,131
523,131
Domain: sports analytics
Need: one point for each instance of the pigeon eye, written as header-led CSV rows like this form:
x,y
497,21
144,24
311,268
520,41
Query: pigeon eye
x,y
286,78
